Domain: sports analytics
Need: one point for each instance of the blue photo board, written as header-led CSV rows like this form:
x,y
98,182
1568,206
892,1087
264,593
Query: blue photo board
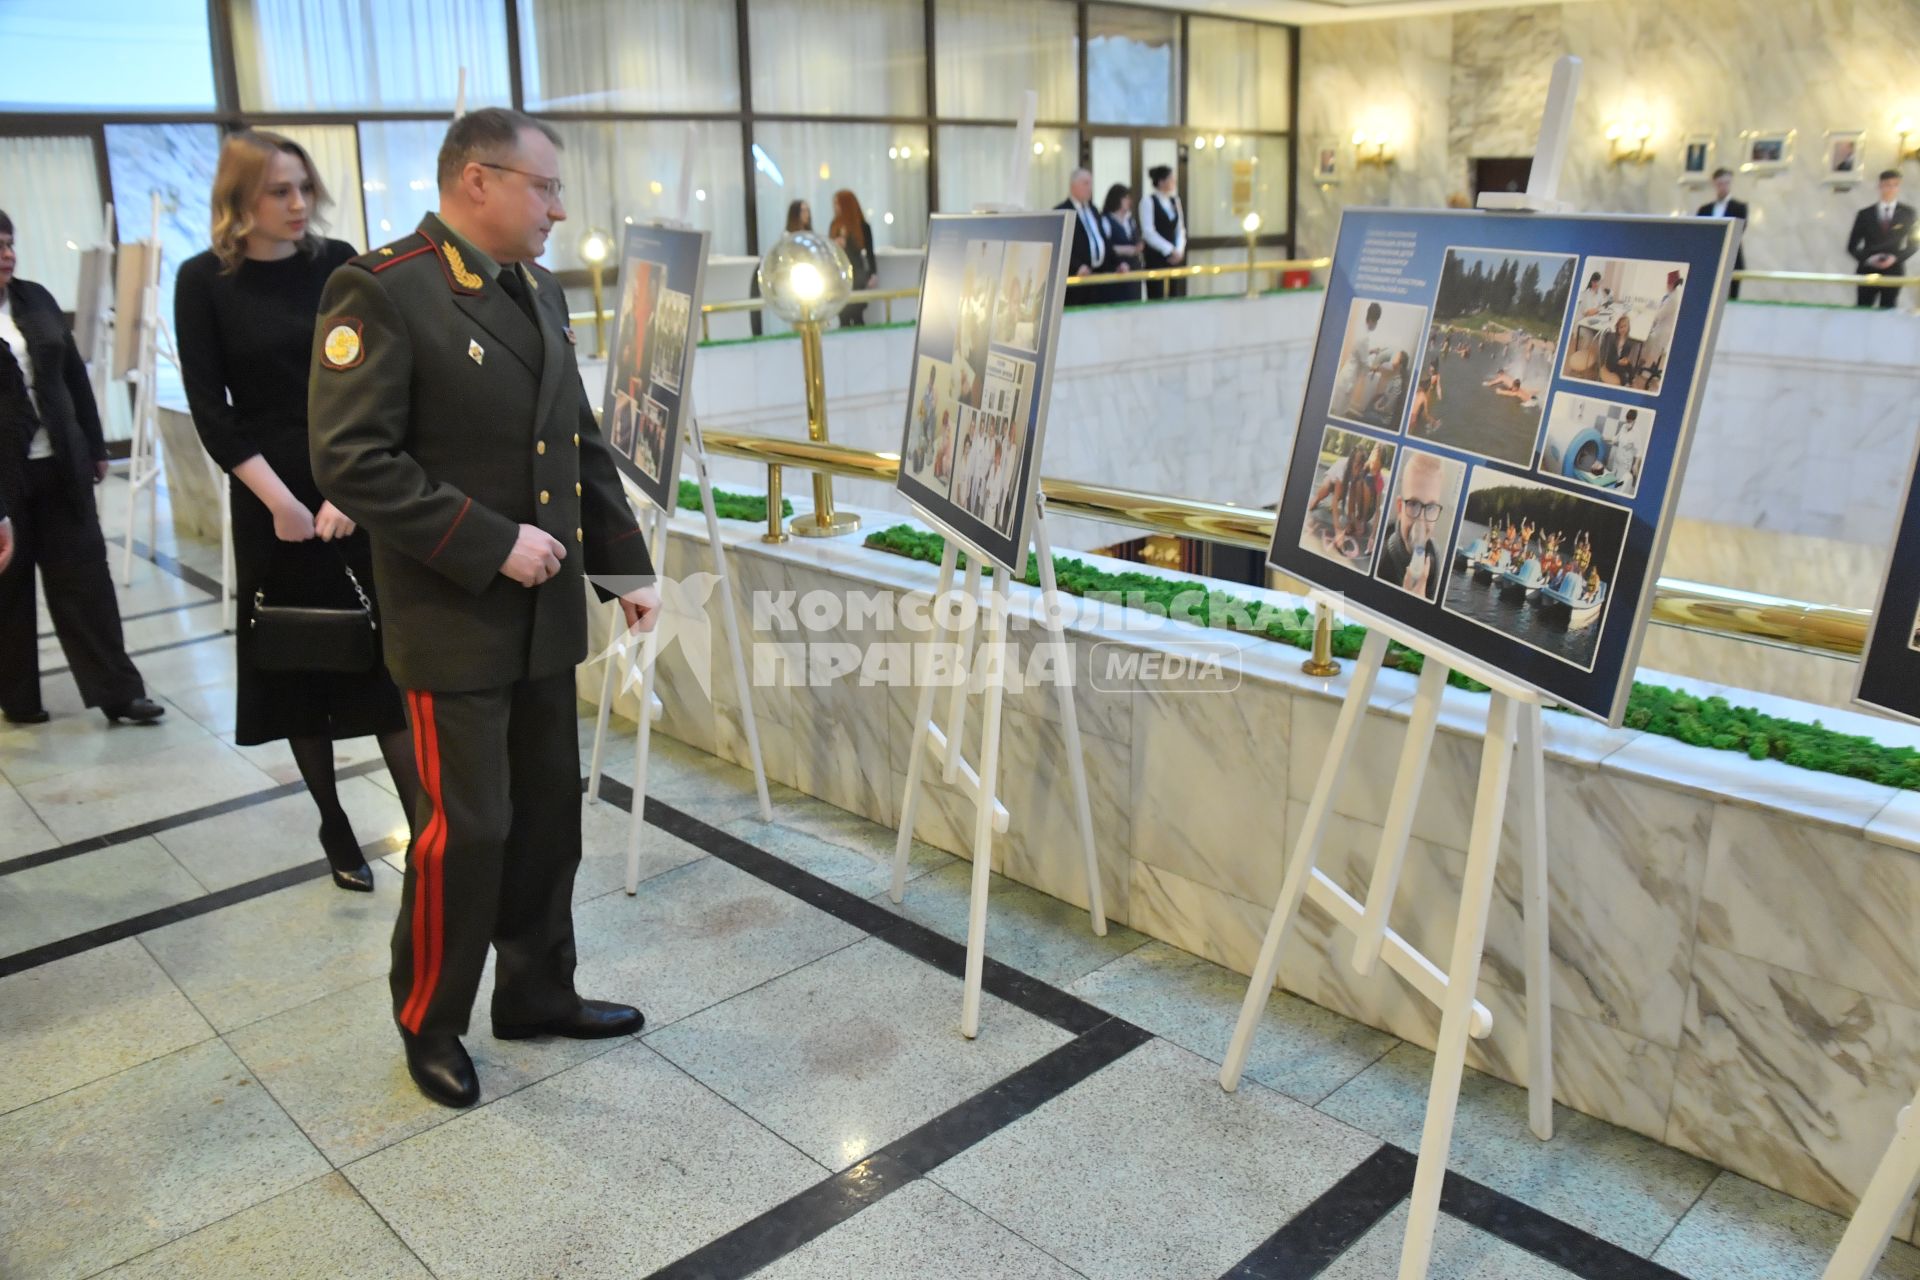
x,y
1495,424
1889,678
983,356
650,365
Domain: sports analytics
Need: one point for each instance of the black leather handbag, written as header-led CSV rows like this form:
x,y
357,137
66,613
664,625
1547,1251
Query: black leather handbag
x,y
305,638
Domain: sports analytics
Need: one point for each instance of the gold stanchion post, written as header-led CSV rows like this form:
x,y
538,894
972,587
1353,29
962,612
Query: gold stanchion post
x,y
776,524
1251,225
1322,662
805,279
594,248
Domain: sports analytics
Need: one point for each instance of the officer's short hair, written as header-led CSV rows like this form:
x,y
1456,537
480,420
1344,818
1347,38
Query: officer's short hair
x,y
490,135
1889,173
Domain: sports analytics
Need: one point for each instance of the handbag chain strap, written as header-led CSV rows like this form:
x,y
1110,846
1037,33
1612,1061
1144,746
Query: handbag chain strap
x,y
353,580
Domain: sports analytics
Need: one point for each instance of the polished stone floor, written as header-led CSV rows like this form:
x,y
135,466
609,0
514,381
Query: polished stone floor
x,y
201,1078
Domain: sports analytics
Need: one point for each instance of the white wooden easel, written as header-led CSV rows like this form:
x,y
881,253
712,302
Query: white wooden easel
x,y
946,744
1513,717
143,456
1888,1191
661,546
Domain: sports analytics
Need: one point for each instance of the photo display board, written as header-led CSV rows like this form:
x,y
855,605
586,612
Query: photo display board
x,y
650,367
983,356
1889,678
1494,430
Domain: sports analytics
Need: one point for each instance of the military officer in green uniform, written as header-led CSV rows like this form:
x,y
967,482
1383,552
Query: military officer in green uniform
x,y
448,420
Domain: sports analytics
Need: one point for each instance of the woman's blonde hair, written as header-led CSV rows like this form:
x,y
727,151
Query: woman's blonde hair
x,y
244,160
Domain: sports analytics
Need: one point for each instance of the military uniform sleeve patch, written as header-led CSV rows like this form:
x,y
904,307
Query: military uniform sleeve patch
x,y
343,348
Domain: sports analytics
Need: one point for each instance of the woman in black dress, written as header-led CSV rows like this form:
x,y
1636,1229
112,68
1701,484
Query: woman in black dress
x,y
244,316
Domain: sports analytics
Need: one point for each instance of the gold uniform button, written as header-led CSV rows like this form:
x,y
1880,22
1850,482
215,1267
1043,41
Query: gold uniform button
x,y
541,447
576,439
579,535
576,489
544,495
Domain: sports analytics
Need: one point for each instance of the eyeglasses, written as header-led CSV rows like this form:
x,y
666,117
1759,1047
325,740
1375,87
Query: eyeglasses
x,y
551,188
1418,510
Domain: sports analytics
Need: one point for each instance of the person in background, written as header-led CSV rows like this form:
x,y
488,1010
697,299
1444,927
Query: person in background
x,y
243,314
799,216
1088,255
852,232
1881,241
1592,298
1123,239
1163,233
52,454
1723,205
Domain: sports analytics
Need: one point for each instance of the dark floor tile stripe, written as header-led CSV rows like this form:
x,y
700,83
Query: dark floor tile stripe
x,y
27,861
21,961
169,564
145,613
158,648
1334,1222
1545,1236
1018,989
825,1205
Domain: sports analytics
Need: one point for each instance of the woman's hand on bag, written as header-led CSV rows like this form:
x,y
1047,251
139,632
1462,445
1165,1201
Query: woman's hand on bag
x,y
332,523
292,522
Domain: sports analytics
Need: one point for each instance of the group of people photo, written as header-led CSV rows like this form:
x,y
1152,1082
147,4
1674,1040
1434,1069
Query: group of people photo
x,y
1349,492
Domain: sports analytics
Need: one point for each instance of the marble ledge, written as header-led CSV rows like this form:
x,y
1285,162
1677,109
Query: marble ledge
x,y
1880,813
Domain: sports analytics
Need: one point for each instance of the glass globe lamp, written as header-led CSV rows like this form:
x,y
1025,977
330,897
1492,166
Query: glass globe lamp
x,y
806,278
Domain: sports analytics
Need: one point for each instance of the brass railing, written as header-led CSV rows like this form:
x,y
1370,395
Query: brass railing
x,y
1693,606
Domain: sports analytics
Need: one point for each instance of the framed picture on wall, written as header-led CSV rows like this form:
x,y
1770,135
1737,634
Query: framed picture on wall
x,y
1326,161
1696,159
1844,158
1766,150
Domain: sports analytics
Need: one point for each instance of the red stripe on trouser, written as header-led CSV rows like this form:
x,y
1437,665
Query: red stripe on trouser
x,y
428,939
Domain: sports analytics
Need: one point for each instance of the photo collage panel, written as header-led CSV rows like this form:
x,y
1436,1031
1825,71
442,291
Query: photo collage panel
x,y
656,303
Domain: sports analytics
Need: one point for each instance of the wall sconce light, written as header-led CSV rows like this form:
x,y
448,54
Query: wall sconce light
x,y
1370,151
1627,143
1908,147
1251,225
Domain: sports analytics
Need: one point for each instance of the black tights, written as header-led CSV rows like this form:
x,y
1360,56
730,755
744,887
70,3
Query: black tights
x,y
314,755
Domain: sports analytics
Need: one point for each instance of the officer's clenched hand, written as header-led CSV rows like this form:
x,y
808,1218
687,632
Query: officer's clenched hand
x,y
535,557
642,608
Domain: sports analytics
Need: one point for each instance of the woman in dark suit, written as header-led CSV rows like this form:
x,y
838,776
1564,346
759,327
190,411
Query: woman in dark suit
x,y
244,317
51,456
851,232
1122,230
1616,355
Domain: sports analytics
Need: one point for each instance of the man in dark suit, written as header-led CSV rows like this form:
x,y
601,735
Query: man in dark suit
x,y
449,421
51,456
1089,253
1881,241
1723,205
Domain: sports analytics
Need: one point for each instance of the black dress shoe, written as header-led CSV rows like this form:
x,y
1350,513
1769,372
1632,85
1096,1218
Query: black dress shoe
x,y
139,711
39,716
439,1064
593,1020
349,864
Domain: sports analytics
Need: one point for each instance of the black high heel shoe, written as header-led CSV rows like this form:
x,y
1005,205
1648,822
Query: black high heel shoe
x,y
350,869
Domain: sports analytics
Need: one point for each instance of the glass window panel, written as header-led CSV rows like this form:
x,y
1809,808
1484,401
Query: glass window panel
x,y
1238,74
621,55
335,151
990,52
884,165
105,53
398,163
50,187
629,171
1225,181
973,165
176,163
1133,66
345,55
839,57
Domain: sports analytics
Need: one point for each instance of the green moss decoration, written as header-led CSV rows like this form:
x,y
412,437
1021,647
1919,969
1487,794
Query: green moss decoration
x,y
732,506
1712,723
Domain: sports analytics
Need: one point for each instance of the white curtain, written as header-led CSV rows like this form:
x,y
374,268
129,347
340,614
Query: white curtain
x,y
343,55
992,51
884,165
67,55
629,55
1133,61
398,163
336,155
1237,74
973,166
839,57
51,189
629,171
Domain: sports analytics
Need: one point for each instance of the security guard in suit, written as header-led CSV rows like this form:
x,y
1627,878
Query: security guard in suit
x,y
447,418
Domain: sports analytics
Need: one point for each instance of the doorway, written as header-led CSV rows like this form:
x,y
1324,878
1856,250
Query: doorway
x,y
1500,173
